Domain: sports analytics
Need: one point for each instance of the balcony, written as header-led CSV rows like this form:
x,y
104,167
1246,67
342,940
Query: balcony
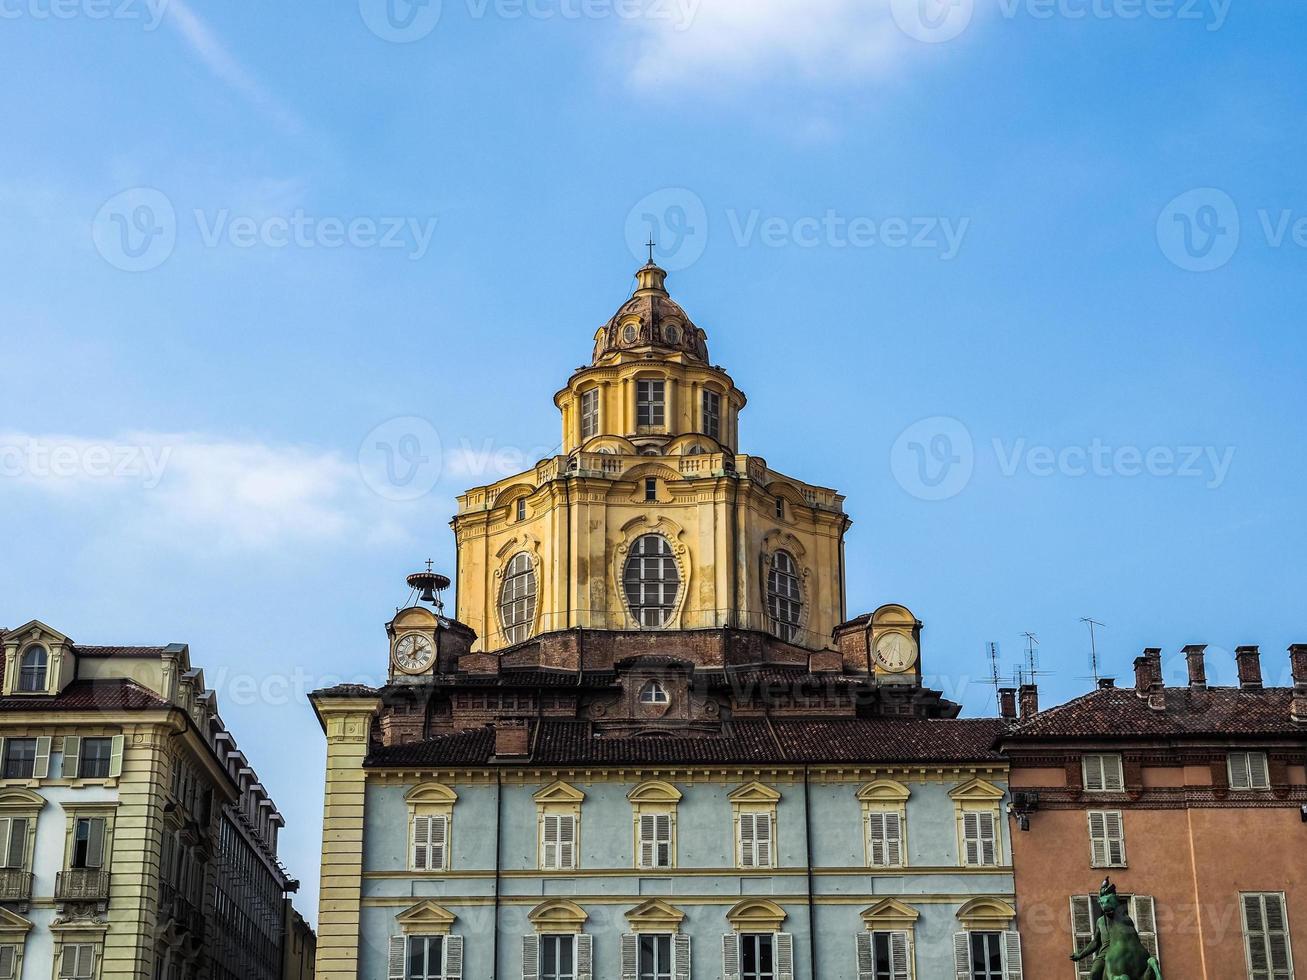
x,y
82,885
15,885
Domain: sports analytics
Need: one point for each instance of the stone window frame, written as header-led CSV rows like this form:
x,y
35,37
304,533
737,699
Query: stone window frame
x,y
654,917
20,804
1103,772
72,751
34,646
774,541
75,812
978,797
558,917
1261,898
1258,780
430,801
654,798
988,914
885,796
674,533
40,762
895,918
558,799
1107,838
13,934
757,916
754,798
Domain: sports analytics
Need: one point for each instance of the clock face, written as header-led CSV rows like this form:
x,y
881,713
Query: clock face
x,y
414,653
896,652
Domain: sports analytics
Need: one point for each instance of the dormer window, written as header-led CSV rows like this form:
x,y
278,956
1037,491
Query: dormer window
x,y
33,670
521,508
654,693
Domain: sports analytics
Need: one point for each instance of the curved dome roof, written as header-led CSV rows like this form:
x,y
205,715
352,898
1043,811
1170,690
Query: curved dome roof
x,y
651,318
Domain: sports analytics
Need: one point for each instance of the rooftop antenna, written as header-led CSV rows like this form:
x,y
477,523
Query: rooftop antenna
x,y
1093,645
1032,655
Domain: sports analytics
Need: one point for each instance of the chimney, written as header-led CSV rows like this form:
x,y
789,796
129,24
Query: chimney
x,y
1029,695
1249,661
1106,683
512,739
1298,664
1148,671
1007,703
1195,654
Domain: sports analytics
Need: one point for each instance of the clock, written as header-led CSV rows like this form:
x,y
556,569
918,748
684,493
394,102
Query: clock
x,y
896,652
414,653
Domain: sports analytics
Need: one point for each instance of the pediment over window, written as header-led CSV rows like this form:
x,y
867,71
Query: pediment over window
x,y
985,913
20,799
755,792
35,632
756,915
889,913
559,792
655,915
558,915
976,790
13,926
426,919
654,791
884,791
436,793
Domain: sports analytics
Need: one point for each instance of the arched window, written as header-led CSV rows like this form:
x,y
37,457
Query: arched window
x,y
654,693
784,599
517,599
32,669
652,581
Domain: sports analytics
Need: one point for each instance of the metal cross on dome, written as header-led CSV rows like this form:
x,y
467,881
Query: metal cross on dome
x,y
651,245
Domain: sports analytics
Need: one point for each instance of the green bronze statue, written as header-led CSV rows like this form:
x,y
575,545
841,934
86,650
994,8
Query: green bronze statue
x,y
1118,953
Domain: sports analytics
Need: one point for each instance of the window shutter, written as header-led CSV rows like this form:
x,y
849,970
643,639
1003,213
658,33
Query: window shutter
x,y
72,756
439,840
397,957
567,841
95,843
1113,780
1115,826
1093,767
962,955
866,960
42,765
663,838
1082,930
680,957
876,839
784,956
971,837
746,840
8,955
1144,911
13,840
647,841
900,952
731,957
421,842
549,855
453,958
530,957
6,842
762,840
988,844
1012,955
116,757
1238,767
630,956
1097,839
1277,938
584,957
893,840
1258,775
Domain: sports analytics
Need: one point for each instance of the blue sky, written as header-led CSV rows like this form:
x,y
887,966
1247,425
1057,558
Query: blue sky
x,y
1023,278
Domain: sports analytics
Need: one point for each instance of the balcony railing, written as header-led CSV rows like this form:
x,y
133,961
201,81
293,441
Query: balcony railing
x,y
82,885
15,885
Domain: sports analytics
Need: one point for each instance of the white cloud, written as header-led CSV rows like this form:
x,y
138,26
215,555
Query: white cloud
x,y
821,40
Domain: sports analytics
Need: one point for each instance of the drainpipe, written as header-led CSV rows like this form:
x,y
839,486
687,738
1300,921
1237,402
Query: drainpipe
x,y
567,565
499,838
807,853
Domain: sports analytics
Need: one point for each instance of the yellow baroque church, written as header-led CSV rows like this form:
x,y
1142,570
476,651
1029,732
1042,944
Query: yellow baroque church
x,y
575,544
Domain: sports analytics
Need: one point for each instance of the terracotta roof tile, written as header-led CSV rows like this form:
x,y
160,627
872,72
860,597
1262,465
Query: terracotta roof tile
x,y
108,695
1120,712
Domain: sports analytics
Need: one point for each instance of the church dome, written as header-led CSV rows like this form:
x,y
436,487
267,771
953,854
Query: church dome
x,y
651,318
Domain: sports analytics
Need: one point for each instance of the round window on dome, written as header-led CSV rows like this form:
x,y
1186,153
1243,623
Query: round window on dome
x,y
672,333
629,333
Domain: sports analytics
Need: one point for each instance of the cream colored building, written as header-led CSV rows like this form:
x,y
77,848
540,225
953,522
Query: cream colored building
x,y
651,518
136,842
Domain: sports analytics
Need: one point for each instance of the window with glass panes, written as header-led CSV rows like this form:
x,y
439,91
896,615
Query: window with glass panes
x,y
32,669
652,580
426,958
88,842
96,754
655,958
712,414
758,956
590,413
517,599
784,599
20,758
558,958
986,955
13,842
650,402
883,955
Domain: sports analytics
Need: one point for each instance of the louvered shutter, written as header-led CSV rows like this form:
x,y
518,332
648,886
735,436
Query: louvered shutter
x,y
6,842
747,857
530,957
421,842
95,842
763,839
8,957
900,955
439,843
549,850
988,843
567,841
1238,766
1097,839
72,756
1277,938
14,854
1082,930
584,957
962,955
68,962
1012,955
680,957
41,768
866,957
1144,912
648,841
731,957
1113,779
116,757
876,839
453,958
971,837
396,959
1093,767
893,840
1258,775
630,956
77,962
663,840
784,956
1113,824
